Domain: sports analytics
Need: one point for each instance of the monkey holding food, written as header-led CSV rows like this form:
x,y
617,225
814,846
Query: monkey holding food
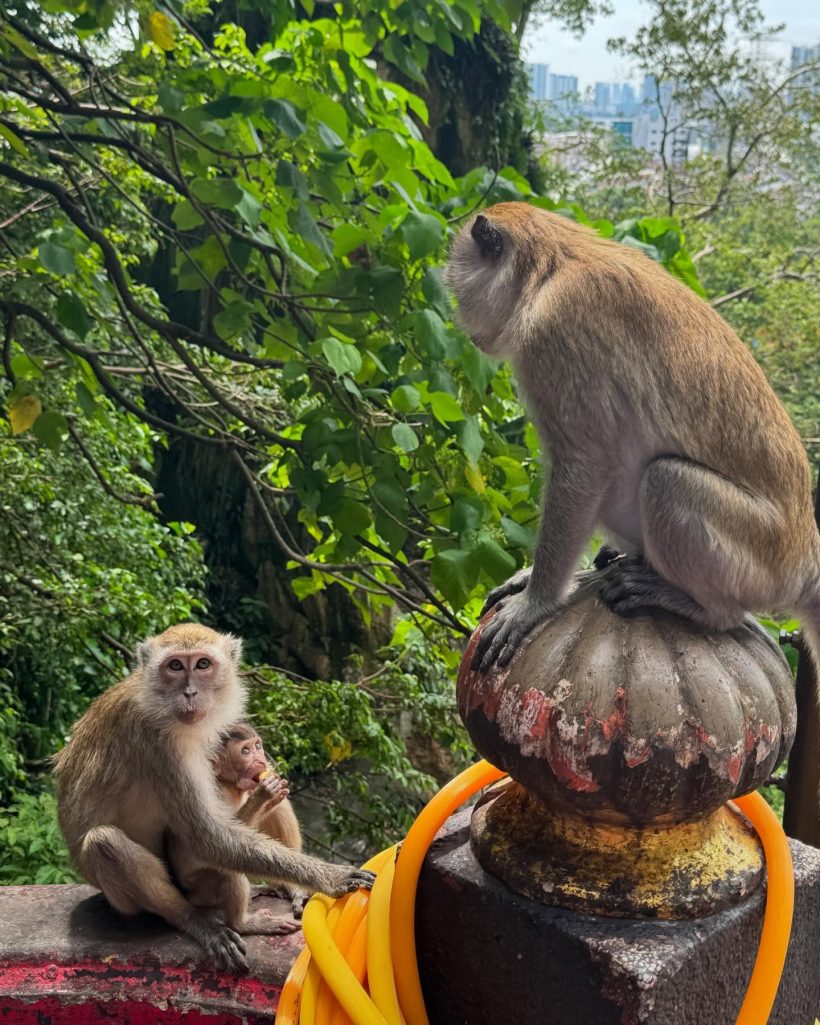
x,y
137,769
659,423
259,798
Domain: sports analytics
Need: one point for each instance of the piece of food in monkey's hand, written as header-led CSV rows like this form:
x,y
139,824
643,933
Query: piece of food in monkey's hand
x,y
264,775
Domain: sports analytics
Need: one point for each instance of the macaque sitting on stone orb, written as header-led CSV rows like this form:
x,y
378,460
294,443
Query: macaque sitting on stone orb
x,y
659,424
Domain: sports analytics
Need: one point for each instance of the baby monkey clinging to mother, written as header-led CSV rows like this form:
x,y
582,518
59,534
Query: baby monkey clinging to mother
x,y
659,424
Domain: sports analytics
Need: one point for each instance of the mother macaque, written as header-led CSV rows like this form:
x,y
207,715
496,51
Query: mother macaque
x,y
138,768
660,427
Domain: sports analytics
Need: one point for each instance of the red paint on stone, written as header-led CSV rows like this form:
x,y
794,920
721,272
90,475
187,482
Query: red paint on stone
x,y
616,725
52,1011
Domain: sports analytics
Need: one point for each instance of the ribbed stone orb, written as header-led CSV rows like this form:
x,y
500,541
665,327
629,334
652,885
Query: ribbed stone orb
x,y
618,729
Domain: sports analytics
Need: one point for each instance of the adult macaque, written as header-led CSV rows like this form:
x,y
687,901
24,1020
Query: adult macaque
x,y
138,768
659,424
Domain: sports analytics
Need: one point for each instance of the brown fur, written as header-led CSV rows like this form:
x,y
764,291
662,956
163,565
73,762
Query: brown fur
x,y
659,423
135,771
273,817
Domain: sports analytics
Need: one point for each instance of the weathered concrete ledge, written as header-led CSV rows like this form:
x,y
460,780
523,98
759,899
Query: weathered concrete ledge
x,y
67,959
489,956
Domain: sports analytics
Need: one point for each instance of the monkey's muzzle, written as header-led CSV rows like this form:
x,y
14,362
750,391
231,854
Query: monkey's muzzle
x,y
488,238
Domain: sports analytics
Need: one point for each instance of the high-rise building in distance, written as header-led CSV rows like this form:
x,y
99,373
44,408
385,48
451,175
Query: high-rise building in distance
x,y
539,80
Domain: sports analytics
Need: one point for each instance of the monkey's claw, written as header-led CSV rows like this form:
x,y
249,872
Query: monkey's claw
x,y
356,878
517,582
515,617
631,586
222,945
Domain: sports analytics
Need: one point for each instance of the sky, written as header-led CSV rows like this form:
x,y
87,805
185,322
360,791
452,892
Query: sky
x,y
589,59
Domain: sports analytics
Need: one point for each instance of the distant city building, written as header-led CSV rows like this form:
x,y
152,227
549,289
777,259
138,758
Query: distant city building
x,y
539,81
623,131
809,79
602,97
562,87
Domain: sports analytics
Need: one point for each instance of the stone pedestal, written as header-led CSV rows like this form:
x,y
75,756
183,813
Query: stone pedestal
x,y
67,959
489,956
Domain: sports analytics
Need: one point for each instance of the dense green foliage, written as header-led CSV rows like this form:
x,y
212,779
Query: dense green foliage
x,y
222,236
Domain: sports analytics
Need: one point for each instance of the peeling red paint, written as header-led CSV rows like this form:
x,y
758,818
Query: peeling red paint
x,y
52,1011
616,725
132,992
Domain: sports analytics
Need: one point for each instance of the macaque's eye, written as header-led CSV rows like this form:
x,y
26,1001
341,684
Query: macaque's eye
x,y
204,663
259,745
246,750
175,665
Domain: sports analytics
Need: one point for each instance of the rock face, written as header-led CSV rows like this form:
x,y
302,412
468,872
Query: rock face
x,y
625,738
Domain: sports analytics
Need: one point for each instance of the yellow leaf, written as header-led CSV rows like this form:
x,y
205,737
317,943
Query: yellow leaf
x,y
475,479
24,412
161,30
338,748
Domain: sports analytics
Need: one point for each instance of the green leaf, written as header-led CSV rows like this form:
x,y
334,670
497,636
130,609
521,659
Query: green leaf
x,y
186,216
286,117
405,437
435,292
478,368
14,140
56,258
85,400
405,399
516,535
351,517
344,358
302,222
290,177
470,440
71,313
445,408
51,429
220,192
348,237
249,208
423,233
432,334
455,574
496,563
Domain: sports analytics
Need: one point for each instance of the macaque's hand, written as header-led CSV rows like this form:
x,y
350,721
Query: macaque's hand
x,y
515,616
347,880
272,791
517,582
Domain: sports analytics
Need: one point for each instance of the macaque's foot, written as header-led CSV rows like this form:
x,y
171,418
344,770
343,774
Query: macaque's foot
x,y
630,586
517,582
223,945
298,901
265,923
348,881
515,616
605,557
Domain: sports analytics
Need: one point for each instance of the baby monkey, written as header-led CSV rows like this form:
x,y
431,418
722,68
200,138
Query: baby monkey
x,y
660,427
260,796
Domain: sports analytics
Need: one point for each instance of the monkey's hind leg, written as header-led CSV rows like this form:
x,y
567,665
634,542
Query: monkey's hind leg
x,y
705,540
133,879
234,897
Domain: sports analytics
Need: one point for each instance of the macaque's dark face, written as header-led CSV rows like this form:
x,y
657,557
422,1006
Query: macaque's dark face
x,y
242,759
189,679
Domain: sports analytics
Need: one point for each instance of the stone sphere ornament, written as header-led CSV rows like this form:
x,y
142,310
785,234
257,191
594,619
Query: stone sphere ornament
x,y
624,738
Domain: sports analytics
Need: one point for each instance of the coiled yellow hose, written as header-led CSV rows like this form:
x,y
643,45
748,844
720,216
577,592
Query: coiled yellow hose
x,y
360,963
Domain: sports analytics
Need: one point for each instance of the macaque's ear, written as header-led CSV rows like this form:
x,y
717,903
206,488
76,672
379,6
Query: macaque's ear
x,y
488,238
144,651
234,647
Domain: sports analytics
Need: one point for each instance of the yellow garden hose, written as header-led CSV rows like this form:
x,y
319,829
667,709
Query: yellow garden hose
x,y
360,963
